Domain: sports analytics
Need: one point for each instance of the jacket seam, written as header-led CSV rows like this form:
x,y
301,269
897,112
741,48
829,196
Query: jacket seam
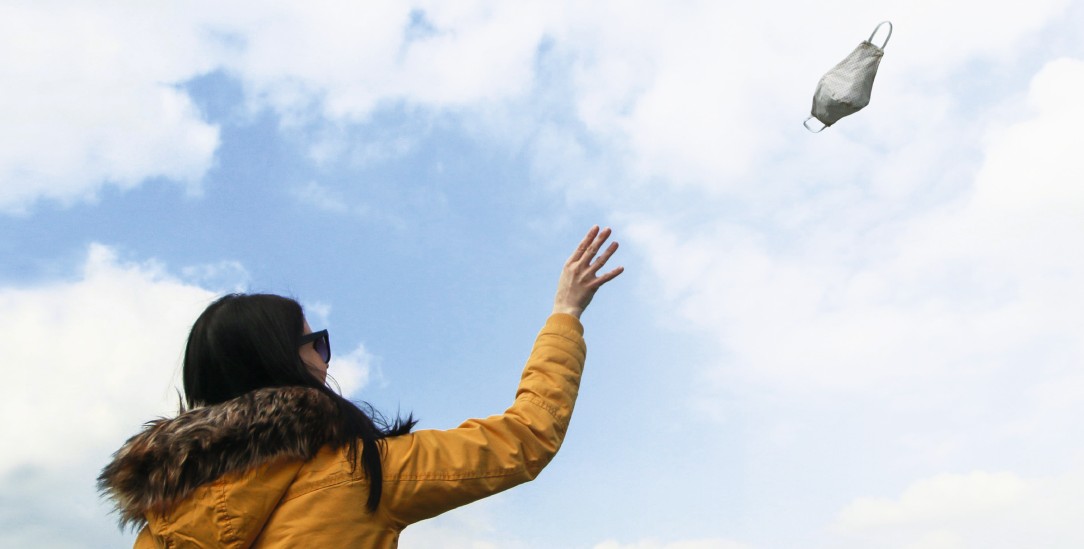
x,y
553,411
492,473
580,346
575,339
230,535
316,487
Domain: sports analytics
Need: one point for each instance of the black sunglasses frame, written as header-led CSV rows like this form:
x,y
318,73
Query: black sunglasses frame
x,y
316,338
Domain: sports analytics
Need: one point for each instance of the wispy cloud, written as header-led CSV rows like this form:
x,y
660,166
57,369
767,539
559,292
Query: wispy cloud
x,y
223,276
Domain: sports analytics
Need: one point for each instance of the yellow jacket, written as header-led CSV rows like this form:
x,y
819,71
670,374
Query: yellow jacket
x,y
253,497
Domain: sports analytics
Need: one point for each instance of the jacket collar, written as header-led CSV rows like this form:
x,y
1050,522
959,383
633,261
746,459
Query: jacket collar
x,y
170,458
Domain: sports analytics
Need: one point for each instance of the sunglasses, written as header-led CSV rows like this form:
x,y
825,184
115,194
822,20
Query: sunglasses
x,y
320,342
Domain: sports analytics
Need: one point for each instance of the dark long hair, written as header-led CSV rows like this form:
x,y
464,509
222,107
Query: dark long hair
x,y
244,342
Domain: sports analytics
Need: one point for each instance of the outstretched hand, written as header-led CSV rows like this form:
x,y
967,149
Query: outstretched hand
x,y
580,280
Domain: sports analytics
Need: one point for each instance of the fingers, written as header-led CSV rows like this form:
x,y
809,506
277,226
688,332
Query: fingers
x,y
590,245
600,239
587,250
602,259
595,284
593,268
587,240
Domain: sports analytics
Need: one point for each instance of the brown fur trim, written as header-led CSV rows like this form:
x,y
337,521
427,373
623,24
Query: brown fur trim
x,y
170,458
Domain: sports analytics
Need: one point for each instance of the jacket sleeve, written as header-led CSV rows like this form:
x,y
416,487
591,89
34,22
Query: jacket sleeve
x,y
429,472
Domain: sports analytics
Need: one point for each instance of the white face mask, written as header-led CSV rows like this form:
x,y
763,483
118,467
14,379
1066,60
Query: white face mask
x,y
846,88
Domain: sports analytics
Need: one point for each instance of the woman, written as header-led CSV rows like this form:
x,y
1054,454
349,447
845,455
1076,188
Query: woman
x,y
267,455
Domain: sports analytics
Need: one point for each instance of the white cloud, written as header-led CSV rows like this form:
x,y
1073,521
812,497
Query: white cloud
x,y
90,99
90,360
322,197
351,371
92,96
848,300
683,544
934,325
469,527
224,276
1030,172
317,313
343,62
934,39
694,93
699,94
87,361
979,509
709,96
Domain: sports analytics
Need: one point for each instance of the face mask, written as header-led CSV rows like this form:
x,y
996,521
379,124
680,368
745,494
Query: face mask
x,y
846,88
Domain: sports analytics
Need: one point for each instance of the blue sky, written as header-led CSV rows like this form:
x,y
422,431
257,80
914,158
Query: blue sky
x,y
867,337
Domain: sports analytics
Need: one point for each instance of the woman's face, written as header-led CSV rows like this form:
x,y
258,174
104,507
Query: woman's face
x,y
312,359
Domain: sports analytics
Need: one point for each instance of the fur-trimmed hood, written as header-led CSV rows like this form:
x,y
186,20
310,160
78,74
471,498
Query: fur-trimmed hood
x,y
171,458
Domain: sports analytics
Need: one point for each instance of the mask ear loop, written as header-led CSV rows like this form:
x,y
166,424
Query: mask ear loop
x,y
877,28
806,124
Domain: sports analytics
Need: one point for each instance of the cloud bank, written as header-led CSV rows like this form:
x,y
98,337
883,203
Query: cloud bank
x,y
979,509
88,360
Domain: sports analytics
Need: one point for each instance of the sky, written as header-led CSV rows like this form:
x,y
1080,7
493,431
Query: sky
x,y
868,337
